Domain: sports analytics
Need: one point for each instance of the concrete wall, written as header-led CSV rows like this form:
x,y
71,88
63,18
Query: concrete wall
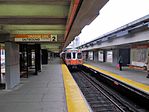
x,y
115,56
12,65
125,53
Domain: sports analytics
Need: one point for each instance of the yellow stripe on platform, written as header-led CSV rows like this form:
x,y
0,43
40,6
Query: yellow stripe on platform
x,y
132,83
75,102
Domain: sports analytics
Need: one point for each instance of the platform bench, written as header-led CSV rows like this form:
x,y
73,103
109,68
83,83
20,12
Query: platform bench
x,y
137,67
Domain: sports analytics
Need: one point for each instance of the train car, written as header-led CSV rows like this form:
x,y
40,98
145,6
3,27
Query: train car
x,y
72,57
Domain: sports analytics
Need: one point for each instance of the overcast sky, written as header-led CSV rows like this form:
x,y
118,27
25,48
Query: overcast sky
x,y
114,14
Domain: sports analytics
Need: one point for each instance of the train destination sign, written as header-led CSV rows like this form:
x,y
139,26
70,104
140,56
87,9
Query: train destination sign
x,y
35,38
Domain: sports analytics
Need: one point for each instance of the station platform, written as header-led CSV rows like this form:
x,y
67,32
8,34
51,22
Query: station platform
x,y
52,90
132,77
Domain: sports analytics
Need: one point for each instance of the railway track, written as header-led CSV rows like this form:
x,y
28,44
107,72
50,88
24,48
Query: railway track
x,y
100,97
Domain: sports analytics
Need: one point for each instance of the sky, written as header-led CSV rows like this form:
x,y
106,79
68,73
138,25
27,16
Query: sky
x,y
114,14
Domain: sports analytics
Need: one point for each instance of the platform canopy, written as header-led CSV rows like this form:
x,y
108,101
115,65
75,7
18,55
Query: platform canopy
x,y
60,19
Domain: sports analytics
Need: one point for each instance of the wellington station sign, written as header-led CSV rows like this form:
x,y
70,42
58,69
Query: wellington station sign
x,y
35,38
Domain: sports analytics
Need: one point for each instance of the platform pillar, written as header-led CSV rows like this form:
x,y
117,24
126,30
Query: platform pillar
x,y
12,65
95,56
37,58
115,56
104,55
44,56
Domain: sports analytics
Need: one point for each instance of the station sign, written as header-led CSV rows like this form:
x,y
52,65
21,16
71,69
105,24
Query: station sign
x,y
54,38
35,38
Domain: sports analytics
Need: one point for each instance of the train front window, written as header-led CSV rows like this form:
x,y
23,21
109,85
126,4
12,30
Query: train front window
x,y
74,55
68,55
79,56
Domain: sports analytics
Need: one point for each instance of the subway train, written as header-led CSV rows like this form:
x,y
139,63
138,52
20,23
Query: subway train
x,y
72,58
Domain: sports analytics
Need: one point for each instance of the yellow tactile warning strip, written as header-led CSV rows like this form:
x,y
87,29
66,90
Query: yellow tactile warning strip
x,y
132,83
75,102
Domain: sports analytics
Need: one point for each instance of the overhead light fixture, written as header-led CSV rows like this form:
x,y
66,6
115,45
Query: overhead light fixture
x,y
122,33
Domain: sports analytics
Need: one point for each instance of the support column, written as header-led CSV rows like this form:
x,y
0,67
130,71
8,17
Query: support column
x,y
87,58
104,55
95,56
12,65
115,56
37,58
44,56
29,56
23,61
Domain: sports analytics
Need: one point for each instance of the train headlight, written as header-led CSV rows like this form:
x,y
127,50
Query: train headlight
x,y
80,61
68,61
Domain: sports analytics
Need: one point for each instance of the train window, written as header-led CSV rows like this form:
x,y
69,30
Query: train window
x,y
79,56
74,55
68,55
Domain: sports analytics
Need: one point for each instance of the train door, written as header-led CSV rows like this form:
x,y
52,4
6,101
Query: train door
x,y
74,58
74,55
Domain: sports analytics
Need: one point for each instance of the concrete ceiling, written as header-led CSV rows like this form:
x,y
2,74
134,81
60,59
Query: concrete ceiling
x,y
64,18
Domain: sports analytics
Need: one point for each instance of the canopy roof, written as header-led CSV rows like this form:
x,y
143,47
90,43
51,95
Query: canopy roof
x,y
64,18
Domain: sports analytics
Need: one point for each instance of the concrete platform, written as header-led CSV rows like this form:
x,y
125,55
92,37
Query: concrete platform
x,y
133,78
136,75
74,97
41,93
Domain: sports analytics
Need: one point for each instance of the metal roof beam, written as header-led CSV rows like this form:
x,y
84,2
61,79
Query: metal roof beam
x,y
32,21
52,2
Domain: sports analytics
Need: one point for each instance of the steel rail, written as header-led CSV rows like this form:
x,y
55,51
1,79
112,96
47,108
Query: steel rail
x,y
99,89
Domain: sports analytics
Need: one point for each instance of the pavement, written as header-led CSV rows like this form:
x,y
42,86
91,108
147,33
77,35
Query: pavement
x,y
42,93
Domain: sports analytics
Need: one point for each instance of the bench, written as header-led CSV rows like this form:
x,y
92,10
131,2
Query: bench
x,y
137,67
